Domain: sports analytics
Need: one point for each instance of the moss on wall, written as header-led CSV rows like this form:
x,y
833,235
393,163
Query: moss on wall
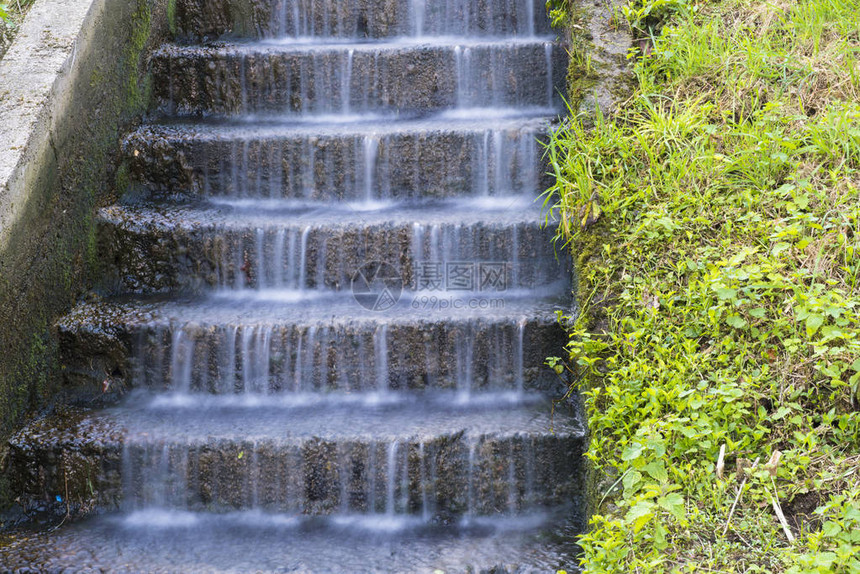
x,y
52,256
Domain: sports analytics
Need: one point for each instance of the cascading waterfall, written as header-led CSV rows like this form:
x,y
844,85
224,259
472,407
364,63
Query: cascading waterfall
x,y
371,149
346,86
303,263
351,148
157,475
391,484
304,20
181,364
519,353
512,481
418,8
498,161
264,359
380,344
549,83
470,473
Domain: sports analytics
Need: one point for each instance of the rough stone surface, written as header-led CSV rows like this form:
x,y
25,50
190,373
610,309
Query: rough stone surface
x,y
200,20
268,160
214,80
193,250
319,346
389,461
607,46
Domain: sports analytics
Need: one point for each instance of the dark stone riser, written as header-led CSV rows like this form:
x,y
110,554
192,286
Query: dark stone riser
x,y
222,81
225,359
439,478
211,19
350,167
201,258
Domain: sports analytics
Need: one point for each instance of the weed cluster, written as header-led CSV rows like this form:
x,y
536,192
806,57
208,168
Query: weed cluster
x,y
715,218
11,15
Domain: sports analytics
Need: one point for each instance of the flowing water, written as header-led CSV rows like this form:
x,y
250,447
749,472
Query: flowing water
x,y
331,299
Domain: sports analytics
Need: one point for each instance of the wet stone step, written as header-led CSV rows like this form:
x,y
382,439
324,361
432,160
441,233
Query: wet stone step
x,y
403,460
253,246
285,342
368,158
197,20
239,79
321,343
159,541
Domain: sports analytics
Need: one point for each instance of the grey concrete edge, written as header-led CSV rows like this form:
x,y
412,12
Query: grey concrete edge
x,y
36,76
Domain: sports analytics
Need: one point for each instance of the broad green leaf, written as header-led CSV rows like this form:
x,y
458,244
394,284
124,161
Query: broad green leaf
x,y
674,503
659,536
633,451
830,332
852,513
758,312
657,470
658,445
831,529
639,515
780,247
813,322
726,293
630,481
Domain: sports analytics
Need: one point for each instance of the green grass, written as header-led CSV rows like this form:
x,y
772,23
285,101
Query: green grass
x,y
11,16
720,291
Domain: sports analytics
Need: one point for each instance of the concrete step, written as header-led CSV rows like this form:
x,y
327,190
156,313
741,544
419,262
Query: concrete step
x,y
293,342
427,461
199,20
473,152
260,244
393,77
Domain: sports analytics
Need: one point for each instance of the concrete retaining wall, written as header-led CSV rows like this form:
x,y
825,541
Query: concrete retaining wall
x,y
72,82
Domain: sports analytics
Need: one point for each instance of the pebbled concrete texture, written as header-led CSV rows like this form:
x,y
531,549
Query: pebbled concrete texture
x,y
39,59
72,81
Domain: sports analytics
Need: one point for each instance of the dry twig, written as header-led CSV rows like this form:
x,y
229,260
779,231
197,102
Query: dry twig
x,y
737,498
721,461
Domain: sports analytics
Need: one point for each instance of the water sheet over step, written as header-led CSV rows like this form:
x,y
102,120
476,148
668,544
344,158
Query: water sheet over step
x,y
359,19
395,78
414,458
257,245
164,542
367,158
314,344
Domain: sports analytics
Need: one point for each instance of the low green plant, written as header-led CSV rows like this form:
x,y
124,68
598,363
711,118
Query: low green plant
x,y
11,16
558,12
715,220
646,17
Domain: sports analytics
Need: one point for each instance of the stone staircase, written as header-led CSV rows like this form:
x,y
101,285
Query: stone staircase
x,y
331,297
